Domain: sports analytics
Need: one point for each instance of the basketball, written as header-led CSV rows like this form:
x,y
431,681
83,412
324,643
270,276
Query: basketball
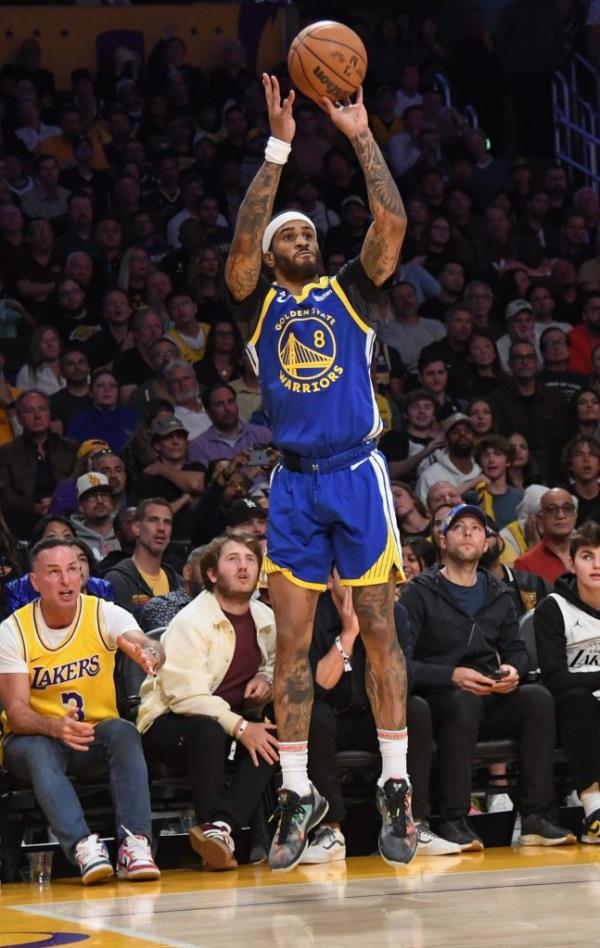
x,y
327,59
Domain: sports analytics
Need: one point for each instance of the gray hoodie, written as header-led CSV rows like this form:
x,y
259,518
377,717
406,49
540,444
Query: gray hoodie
x,y
100,544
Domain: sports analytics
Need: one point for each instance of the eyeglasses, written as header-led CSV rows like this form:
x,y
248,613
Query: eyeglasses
x,y
554,509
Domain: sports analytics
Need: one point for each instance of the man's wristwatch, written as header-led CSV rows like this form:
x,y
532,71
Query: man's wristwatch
x,y
343,653
152,651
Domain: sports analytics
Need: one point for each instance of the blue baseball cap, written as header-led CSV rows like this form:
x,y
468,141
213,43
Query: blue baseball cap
x,y
461,510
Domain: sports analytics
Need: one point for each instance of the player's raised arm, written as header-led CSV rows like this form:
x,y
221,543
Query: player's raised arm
x,y
381,248
242,268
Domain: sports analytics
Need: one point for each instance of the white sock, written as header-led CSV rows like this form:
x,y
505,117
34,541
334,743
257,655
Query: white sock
x,y
590,799
293,757
392,745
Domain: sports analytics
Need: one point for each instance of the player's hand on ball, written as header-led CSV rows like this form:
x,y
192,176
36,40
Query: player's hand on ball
x,y
281,119
350,117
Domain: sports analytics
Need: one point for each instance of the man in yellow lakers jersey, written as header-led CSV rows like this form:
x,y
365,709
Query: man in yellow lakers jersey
x,y
57,658
330,497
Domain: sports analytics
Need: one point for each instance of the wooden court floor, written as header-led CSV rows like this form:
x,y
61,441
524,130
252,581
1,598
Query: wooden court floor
x,y
508,897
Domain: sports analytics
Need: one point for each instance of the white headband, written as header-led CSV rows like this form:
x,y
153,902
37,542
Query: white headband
x,y
277,222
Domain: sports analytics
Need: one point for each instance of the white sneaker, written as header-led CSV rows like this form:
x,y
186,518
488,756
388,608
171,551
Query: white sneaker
x,y
91,856
499,803
328,845
429,844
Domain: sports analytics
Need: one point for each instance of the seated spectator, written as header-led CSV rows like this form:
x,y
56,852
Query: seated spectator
x,y
73,320
159,288
13,560
523,533
79,235
133,276
496,497
527,588
433,376
581,461
184,391
442,492
225,485
47,740
543,305
407,333
341,719
418,554
161,610
81,176
452,281
585,337
455,671
403,149
554,346
32,131
105,419
221,362
47,200
94,522
43,370
64,498
10,427
188,334
584,411
206,283
75,397
523,404
486,373
410,451
170,476
453,350
518,472
481,416
18,592
247,388
456,463
411,513
479,298
107,462
32,465
227,435
133,367
551,556
567,633
36,271
138,452
61,147
490,174
145,574
520,327
217,677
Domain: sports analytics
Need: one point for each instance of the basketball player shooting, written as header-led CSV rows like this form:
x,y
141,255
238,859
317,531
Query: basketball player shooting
x,y
330,498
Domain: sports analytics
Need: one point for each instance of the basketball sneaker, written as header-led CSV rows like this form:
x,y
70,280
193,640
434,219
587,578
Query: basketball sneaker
x,y
327,845
459,831
590,830
134,861
297,816
430,844
91,856
214,842
398,834
539,830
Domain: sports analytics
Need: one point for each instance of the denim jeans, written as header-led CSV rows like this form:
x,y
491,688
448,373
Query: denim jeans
x,y
44,762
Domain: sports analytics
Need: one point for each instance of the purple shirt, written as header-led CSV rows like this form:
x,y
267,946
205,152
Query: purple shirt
x,y
211,445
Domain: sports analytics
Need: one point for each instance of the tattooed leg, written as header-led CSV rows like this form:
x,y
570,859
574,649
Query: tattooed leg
x,y
386,669
294,609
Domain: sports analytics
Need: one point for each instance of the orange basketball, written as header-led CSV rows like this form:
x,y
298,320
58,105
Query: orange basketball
x,y
327,59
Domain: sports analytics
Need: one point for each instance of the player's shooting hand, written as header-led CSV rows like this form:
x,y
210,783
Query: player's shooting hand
x,y
258,690
281,118
257,739
77,735
349,117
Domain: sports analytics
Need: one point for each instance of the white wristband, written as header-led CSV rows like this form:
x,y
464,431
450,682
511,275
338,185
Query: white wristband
x,y
277,151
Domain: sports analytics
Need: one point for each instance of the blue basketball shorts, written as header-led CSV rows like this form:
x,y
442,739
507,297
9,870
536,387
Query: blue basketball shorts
x,y
343,518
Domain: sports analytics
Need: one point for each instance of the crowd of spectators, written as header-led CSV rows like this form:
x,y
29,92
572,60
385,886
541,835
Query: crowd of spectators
x,y
131,420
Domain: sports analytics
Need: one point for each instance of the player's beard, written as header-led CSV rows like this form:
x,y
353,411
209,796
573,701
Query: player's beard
x,y
299,270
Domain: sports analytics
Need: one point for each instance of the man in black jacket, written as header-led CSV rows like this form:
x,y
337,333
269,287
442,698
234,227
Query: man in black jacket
x,y
468,663
567,632
144,575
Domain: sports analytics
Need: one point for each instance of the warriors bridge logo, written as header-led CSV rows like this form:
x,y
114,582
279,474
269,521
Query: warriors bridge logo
x,y
307,351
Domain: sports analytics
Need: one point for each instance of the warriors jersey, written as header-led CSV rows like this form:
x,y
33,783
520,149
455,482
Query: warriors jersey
x,y
77,673
313,354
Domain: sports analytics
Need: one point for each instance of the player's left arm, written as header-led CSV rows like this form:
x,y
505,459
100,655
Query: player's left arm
x,y
381,247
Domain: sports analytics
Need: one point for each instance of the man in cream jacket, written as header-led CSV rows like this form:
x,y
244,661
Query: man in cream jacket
x,y
217,676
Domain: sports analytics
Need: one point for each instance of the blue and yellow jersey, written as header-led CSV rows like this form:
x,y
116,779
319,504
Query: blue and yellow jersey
x,y
77,673
313,353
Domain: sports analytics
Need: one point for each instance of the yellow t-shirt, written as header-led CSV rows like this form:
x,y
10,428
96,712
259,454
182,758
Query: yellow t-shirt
x,y
158,584
188,352
78,672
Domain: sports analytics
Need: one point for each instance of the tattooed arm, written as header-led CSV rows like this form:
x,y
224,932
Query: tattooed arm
x,y
242,269
382,244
